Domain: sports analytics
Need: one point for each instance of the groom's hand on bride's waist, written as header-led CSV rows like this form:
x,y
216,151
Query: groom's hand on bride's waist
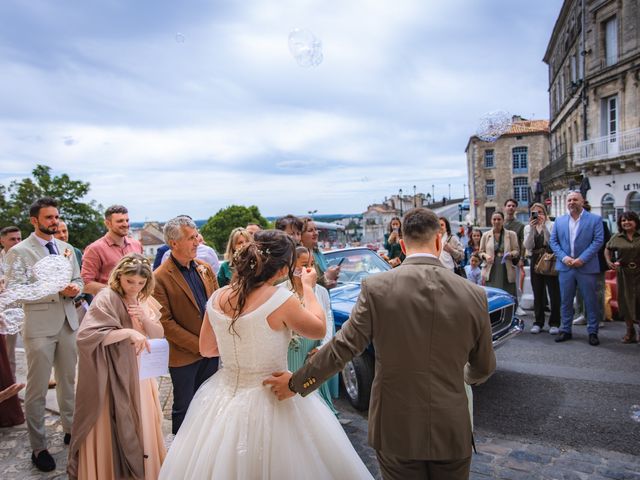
x,y
279,382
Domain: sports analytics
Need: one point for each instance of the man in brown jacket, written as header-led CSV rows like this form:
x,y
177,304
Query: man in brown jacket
x,y
183,286
431,332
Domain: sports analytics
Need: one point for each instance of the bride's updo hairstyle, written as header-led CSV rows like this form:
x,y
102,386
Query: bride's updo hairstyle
x,y
257,262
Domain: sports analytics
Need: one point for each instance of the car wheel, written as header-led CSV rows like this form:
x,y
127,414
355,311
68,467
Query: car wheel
x,y
357,377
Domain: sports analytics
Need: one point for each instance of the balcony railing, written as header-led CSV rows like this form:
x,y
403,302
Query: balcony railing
x,y
607,147
555,169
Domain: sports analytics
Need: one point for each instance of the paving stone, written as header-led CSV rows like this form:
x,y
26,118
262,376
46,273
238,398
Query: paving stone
x,y
510,474
578,466
617,474
482,468
529,457
557,473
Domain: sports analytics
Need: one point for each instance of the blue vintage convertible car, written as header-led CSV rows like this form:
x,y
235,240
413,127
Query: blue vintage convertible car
x,y
359,263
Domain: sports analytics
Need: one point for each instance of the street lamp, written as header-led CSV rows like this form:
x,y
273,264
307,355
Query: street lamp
x,y
400,198
433,192
464,191
415,200
449,191
428,199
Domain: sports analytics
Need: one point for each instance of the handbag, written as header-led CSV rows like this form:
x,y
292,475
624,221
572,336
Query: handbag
x,y
546,264
459,270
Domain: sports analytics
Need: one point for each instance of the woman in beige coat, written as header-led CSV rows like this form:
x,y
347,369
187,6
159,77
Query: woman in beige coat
x,y
497,248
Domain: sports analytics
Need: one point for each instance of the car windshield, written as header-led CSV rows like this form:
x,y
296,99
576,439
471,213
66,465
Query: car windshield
x,y
356,264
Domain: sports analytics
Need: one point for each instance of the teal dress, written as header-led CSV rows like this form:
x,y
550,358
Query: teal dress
x,y
224,274
299,347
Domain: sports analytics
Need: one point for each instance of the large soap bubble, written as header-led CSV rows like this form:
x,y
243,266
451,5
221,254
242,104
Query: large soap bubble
x,y
305,48
48,275
493,125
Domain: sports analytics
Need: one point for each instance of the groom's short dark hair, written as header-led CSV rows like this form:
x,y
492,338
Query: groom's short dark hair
x,y
419,225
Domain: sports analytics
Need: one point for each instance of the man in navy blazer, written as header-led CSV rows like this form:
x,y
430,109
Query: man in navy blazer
x,y
576,239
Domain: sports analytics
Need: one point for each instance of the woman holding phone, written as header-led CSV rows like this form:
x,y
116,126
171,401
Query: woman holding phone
x,y
536,241
392,242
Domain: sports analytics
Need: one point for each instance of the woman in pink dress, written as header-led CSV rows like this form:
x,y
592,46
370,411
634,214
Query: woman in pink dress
x,y
117,423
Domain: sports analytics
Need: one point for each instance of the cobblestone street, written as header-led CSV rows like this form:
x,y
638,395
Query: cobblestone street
x,y
498,457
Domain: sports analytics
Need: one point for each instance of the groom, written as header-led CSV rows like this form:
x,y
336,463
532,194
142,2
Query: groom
x,y
431,332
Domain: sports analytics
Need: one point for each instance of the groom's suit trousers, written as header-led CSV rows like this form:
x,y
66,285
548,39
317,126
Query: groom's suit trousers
x,y
393,467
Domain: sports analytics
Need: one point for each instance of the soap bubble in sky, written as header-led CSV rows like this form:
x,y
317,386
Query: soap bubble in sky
x,y
305,48
493,125
180,37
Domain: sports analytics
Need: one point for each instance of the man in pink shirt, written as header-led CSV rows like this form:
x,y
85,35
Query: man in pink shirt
x,y
102,255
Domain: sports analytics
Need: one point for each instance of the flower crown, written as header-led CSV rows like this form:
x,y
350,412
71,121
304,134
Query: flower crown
x,y
241,250
136,261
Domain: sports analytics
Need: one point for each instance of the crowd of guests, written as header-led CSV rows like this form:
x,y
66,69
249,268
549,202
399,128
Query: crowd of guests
x,y
576,250
117,300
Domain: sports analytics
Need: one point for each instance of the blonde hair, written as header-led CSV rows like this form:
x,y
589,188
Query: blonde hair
x,y
132,264
541,206
233,238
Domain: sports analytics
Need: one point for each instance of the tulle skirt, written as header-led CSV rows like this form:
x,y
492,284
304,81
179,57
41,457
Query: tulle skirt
x,y
236,429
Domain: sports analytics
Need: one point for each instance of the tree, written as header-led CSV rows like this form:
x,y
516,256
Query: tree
x,y
84,219
217,229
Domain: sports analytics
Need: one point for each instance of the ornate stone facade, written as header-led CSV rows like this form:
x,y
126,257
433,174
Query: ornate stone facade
x,y
594,75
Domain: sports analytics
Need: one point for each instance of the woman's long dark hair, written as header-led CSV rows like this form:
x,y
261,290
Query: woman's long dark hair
x,y
258,261
447,225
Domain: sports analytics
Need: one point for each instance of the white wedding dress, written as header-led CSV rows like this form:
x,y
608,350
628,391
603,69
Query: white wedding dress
x,y
237,429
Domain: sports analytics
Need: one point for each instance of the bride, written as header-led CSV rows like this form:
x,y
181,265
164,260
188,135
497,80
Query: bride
x,y
235,426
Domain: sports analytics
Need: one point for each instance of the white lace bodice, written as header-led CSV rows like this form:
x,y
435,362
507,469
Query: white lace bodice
x,y
255,350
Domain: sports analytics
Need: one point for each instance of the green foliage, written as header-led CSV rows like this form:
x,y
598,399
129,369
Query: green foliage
x,y
84,220
217,229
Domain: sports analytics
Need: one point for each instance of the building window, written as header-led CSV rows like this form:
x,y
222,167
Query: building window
x,y
611,41
490,188
608,211
633,202
609,117
489,159
520,161
574,73
521,190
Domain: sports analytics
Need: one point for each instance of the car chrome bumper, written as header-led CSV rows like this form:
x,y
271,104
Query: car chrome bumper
x,y
516,327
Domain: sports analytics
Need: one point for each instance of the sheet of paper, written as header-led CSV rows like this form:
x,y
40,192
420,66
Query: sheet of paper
x,y
155,363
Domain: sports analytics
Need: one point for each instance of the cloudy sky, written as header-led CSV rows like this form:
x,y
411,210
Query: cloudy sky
x,y
187,107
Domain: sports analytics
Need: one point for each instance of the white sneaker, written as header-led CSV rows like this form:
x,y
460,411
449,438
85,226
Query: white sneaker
x,y
535,329
554,331
580,320
520,311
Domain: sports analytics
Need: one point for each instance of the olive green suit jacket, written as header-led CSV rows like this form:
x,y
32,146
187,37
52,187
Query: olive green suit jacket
x,y
431,332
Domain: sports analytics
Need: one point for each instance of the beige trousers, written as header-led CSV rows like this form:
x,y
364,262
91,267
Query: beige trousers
x,y
42,353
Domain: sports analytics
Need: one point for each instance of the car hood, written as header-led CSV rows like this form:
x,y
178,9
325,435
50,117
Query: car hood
x,y
344,297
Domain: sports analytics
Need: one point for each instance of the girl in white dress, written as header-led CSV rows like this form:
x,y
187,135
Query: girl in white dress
x,y
235,427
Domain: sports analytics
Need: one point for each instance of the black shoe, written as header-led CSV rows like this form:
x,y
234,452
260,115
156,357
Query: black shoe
x,y
563,337
593,339
67,438
44,461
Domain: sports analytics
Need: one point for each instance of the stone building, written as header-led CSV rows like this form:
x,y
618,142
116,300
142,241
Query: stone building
x,y
594,101
506,168
378,215
151,238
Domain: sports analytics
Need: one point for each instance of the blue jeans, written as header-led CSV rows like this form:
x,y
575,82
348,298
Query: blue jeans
x,y
186,381
587,283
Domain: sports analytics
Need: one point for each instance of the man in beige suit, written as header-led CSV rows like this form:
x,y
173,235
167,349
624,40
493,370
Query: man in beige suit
x,y
431,332
49,330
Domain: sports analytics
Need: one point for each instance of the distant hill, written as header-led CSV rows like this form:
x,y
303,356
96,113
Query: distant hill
x,y
328,217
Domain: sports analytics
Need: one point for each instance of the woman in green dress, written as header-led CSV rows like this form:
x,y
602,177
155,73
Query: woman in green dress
x,y
238,237
327,276
625,245
301,348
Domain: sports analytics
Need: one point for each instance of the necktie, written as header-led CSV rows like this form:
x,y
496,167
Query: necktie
x,y
52,250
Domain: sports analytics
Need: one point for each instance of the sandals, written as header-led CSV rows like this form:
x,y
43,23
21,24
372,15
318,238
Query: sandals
x,y
630,337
